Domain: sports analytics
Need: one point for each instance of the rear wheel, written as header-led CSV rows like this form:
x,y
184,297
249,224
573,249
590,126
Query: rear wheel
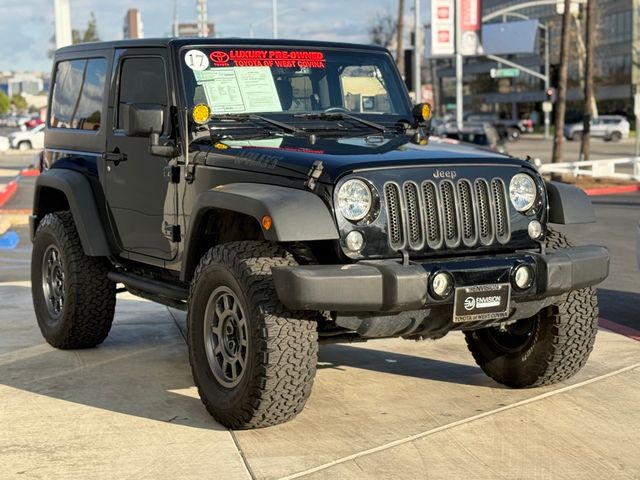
x,y
252,360
74,301
575,136
513,134
615,136
547,348
24,145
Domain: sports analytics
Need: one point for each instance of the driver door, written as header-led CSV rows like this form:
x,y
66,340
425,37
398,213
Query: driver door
x,y
140,198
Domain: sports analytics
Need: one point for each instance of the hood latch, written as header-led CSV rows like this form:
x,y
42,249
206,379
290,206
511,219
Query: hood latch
x,y
314,175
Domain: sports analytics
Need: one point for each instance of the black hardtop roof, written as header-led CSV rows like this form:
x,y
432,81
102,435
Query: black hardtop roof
x,y
180,42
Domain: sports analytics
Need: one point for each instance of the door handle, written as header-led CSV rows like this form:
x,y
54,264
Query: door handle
x,y
114,157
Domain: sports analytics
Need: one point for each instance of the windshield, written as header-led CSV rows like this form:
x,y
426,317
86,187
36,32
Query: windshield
x,y
292,82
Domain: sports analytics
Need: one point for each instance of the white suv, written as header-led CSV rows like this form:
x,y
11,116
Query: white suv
x,y
609,127
28,139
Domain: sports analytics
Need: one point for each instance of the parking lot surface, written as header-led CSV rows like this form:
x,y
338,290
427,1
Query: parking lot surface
x,y
385,409
537,147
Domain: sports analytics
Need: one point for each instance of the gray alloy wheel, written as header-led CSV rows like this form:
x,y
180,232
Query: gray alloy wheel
x,y
226,336
53,282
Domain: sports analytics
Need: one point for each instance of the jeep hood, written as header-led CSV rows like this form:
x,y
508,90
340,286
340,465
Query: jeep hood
x,y
294,156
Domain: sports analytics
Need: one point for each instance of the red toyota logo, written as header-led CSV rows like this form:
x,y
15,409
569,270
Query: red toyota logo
x,y
219,56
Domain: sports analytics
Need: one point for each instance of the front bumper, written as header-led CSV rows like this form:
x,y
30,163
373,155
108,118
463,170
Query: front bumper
x,y
389,286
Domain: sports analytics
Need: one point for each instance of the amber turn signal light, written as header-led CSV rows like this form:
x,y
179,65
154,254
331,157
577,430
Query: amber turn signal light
x,y
422,112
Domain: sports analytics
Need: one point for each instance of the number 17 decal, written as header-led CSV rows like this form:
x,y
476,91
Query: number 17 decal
x,y
196,60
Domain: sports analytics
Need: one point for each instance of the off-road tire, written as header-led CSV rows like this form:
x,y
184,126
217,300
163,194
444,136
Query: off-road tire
x,y
559,345
282,345
89,296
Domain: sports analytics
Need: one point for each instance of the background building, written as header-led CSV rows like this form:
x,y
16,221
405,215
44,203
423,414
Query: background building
x,y
31,83
616,64
190,29
133,27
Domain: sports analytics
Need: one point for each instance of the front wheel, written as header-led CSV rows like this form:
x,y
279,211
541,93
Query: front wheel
x,y
252,360
547,348
25,145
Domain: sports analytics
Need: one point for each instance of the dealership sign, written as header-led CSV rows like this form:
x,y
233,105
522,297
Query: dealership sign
x,y
451,33
469,23
443,27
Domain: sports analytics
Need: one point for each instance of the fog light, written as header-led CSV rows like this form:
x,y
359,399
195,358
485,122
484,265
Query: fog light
x,y
523,277
535,229
441,285
354,241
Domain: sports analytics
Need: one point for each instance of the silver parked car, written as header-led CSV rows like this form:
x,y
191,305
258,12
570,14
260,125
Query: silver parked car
x,y
609,127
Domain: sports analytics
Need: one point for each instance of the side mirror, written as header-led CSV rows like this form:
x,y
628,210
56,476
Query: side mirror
x,y
159,150
141,119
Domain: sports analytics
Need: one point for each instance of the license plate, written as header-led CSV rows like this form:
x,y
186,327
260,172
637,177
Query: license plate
x,y
481,302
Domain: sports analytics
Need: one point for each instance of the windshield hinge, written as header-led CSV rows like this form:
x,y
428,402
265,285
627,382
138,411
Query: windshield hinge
x,y
172,173
172,232
314,175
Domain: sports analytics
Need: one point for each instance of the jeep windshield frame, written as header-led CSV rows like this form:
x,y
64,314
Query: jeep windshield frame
x,y
296,85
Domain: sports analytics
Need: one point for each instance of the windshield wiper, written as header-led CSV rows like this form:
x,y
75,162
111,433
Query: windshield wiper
x,y
342,116
253,117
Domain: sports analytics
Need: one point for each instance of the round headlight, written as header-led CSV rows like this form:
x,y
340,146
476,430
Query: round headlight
x,y
523,192
354,199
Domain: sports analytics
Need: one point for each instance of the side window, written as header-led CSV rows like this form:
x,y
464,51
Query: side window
x,y
364,91
66,90
77,94
142,80
88,113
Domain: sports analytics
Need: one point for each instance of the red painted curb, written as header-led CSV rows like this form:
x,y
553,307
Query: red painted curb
x,y
30,172
7,192
619,328
592,192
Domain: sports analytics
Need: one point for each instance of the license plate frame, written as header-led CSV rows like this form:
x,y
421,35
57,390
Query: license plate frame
x,y
481,302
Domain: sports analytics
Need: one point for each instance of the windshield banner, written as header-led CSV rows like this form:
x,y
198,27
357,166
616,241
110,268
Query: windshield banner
x,y
268,58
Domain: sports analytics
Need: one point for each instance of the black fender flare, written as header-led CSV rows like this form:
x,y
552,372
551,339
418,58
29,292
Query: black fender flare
x,y
568,204
77,190
297,215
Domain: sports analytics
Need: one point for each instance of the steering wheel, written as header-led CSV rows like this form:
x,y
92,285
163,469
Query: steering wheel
x,y
336,109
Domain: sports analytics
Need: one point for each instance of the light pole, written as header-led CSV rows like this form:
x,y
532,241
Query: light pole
x,y
459,91
547,115
417,54
274,17
284,11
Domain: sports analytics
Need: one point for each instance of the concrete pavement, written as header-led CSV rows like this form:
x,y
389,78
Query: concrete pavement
x,y
385,409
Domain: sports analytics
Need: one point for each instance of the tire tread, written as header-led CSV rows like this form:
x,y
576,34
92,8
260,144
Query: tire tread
x,y
90,296
288,343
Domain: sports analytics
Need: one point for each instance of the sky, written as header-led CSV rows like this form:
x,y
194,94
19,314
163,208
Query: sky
x,y
26,27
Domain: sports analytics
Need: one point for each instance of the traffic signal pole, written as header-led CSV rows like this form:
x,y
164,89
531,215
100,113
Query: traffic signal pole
x,y
561,104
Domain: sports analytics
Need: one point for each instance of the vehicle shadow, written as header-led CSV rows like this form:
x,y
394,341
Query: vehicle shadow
x,y
142,368
338,356
618,306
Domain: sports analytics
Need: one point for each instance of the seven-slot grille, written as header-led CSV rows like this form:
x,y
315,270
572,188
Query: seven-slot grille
x,y
446,214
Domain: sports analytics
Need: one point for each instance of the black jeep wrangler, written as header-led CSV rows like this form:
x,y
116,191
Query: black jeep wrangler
x,y
287,193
